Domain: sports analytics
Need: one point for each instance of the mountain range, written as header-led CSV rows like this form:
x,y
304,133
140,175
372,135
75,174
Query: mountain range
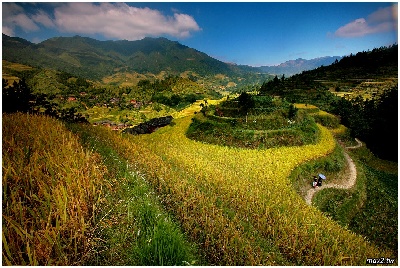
x,y
292,67
90,58
95,59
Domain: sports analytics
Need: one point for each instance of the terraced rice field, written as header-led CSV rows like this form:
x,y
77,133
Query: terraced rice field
x,y
238,203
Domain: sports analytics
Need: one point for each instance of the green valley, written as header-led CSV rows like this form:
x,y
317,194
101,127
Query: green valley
x,y
225,183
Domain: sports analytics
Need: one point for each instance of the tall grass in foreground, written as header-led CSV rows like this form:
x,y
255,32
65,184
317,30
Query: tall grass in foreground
x,y
133,227
51,187
239,203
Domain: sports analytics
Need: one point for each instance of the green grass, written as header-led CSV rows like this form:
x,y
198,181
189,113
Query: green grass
x,y
134,227
371,207
326,119
378,220
368,158
342,205
331,165
254,132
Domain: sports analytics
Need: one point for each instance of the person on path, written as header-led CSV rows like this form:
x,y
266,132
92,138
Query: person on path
x,y
314,184
319,183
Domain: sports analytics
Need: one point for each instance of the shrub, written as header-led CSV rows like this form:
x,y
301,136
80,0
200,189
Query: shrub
x,y
326,119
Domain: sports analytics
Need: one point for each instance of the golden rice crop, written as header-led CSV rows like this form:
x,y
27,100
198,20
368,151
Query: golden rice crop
x,y
195,107
50,190
340,130
305,106
239,203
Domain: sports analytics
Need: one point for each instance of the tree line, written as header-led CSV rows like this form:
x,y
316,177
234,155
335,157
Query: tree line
x,y
373,121
19,98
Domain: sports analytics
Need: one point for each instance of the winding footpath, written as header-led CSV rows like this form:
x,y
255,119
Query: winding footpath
x,y
352,176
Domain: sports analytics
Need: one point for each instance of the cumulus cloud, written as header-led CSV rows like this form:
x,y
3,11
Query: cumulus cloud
x,y
121,21
382,20
112,20
13,16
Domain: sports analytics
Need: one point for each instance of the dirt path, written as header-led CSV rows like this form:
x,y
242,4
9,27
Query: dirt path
x,y
352,176
359,144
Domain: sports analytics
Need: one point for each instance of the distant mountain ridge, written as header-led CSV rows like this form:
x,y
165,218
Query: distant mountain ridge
x,y
299,65
95,59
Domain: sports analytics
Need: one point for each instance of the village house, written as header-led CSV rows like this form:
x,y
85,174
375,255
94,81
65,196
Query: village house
x,y
136,104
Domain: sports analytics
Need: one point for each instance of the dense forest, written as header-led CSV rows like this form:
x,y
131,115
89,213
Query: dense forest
x,y
373,121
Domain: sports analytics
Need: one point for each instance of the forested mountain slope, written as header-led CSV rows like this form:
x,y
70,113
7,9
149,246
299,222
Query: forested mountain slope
x,y
95,59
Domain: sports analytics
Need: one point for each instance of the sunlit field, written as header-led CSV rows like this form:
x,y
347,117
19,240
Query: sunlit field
x,y
238,203
51,188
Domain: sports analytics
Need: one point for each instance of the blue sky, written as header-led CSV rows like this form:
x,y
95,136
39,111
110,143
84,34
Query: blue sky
x,y
257,33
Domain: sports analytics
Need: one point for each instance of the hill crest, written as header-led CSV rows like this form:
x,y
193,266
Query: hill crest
x,y
96,59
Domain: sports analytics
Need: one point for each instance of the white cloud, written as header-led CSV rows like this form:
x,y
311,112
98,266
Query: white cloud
x,y
13,16
26,23
121,21
112,20
382,20
7,30
356,28
384,14
43,18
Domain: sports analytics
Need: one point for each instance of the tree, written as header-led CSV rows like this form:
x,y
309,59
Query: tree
x,y
246,102
276,80
373,121
383,138
292,111
204,107
16,98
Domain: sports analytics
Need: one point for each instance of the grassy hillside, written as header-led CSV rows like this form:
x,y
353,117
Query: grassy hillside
x,y
11,71
370,207
75,201
227,199
99,197
364,73
377,219
230,203
268,123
